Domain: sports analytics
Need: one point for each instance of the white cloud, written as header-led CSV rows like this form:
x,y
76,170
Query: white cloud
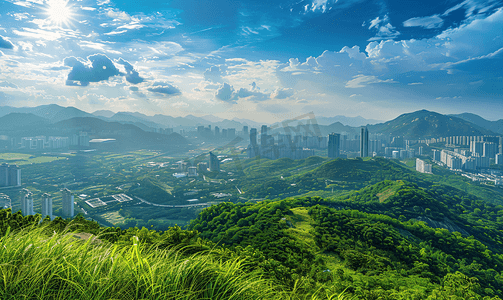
x,y
282,93
225,92
430,22
361,81
164,88
5,43
473,7
384,29
118,15
213,74
39,34
101,68
415,83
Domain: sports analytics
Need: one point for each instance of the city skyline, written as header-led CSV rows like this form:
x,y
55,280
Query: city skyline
x,y
264,61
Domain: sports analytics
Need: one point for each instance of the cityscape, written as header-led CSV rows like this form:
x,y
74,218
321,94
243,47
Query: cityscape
x,y
251,150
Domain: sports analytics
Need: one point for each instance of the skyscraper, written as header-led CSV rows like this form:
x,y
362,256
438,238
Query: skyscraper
x,y
263,136
68,210
333,145
26,198
245,130
253,136
10,175
46,206
364,142
214,163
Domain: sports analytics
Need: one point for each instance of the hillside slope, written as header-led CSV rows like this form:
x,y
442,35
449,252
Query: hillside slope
x,y
425,124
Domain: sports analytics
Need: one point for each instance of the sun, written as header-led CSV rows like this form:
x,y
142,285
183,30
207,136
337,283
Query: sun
x,y
59,12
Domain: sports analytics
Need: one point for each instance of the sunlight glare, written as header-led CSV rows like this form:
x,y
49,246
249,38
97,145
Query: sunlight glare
x,y
59,12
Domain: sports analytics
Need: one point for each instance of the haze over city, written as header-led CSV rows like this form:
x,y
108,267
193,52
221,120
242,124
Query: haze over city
x,y
262,60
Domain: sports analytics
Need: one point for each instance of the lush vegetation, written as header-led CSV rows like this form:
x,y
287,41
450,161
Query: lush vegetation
x,y
278,229
60,259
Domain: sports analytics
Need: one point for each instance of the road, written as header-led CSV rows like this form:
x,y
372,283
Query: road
x,y
172,206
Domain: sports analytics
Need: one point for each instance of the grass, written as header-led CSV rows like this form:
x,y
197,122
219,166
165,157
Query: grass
x,y
113,217
26,159
34,265
302,229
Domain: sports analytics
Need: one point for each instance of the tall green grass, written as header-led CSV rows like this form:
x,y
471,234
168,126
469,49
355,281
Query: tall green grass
x,y
34,265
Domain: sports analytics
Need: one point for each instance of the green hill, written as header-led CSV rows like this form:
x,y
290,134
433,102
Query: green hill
x,y
373,256
495,126
19,121
425,124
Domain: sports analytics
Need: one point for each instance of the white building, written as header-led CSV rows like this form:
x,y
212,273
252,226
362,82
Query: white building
x,y
46,206
68,209
423,167
26,198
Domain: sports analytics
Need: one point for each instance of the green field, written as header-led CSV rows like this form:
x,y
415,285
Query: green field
x,y
26,159
113,217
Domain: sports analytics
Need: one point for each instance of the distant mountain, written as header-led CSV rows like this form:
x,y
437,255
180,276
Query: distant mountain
x,y
423,124
104,113
127,136
169,121
125,117
212,118
337,127
14,121
52,112
47,111
249,123
495,126
198,120
69,113
349,121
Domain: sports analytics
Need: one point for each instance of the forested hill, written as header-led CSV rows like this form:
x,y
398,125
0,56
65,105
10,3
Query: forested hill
x,y
370,255
426,124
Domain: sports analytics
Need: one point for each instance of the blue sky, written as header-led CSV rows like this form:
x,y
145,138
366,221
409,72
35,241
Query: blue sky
x,y
262,60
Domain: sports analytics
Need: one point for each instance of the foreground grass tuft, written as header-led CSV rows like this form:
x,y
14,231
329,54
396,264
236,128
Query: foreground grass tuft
x,y
61,266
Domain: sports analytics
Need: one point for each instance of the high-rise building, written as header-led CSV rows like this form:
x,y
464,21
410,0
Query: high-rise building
x,y
200,130
423,167
4,175
231,133
202,167
253,136
214,163
217,131
245,130
83,139
46,206
263,136
500,145
192,171
477,147
499,159
10,175
26,198
436,155
68,209
490,150
333,145
364,142
263,129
